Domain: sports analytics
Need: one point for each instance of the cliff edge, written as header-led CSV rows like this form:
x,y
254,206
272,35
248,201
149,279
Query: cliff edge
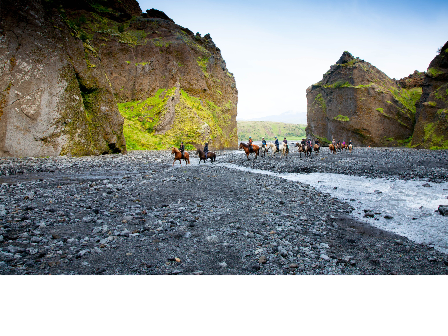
x,y
431,128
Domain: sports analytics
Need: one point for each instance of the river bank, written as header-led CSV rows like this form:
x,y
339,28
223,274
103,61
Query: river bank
x,y
137,214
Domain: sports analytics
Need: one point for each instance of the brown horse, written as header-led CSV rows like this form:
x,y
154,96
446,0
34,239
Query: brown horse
x,y
304,148
316,148
178,156
246,148
210,155
332,148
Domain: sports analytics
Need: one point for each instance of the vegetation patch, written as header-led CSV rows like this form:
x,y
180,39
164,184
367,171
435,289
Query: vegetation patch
x,y
319,101
203,62
195,122
434,72
341,118
339,84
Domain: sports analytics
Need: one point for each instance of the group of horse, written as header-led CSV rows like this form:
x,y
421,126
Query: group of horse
x,y
339,147
283,149
185,156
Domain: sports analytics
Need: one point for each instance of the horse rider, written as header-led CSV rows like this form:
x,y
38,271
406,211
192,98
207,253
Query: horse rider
x,y
339,144
334,143
182,148
277,144
250,145
303,143
286,143
263,142
309,143
206,150
350,142
316,142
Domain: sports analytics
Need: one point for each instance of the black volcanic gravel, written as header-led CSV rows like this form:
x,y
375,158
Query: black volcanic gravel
x,y
137,214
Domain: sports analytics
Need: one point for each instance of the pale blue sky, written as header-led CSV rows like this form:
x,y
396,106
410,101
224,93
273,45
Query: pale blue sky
x,y
277,49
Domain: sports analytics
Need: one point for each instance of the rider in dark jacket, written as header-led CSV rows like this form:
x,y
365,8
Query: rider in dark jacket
x,y
206,150
277,144
182,148
263,142
286,143
250,145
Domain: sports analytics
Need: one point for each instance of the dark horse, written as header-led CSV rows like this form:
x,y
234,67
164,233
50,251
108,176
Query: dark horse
x,y
178,156
246,148
210,155
304,148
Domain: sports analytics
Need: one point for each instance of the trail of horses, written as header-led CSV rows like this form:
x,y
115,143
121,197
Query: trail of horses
x,y
137,214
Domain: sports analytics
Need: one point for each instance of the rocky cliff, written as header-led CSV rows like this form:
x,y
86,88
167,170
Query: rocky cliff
x,y
356,101
431,129
67,70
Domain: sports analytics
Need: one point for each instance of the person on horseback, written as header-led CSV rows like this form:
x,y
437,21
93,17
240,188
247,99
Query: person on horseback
x,y
250,145
206,150
277,144
182,148
286,143
309,143
334,142
263,142
316,142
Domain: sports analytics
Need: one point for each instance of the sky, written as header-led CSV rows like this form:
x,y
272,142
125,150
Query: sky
x,y
276,49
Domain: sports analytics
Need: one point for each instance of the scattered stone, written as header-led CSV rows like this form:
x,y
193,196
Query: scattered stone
x,y
443,209
262,259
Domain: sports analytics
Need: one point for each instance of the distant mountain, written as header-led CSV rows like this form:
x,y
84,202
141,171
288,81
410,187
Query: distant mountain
x,y
268,130
286,117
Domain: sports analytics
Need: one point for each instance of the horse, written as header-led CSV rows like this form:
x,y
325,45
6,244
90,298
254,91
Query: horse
x,y
246,148
332,148
210,155
284,149
305,149
350,147
265,149
272,147
316,148
178,156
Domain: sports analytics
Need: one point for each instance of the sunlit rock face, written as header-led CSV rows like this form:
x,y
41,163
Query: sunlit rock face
x,y
358,102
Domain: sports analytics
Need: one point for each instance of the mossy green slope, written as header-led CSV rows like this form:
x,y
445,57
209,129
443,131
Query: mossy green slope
x,y
268,130
195,121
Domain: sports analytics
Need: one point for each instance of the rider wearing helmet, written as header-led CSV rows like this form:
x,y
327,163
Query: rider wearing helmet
x,y
263,142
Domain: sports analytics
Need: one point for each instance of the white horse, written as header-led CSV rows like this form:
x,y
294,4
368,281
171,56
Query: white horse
x,y
270,146
283,148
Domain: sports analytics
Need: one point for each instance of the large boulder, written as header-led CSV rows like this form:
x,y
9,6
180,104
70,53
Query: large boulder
x,y
358,102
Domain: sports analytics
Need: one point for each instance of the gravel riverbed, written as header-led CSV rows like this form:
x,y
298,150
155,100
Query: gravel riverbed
x,y
137,214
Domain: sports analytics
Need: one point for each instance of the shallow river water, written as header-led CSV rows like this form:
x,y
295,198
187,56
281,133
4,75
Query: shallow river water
x,y
408,208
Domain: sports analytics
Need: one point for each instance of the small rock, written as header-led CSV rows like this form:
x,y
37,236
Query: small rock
x,y
212,239
388,217
426,185
443,209
262,260
324,257
1,238
222,264
294,266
